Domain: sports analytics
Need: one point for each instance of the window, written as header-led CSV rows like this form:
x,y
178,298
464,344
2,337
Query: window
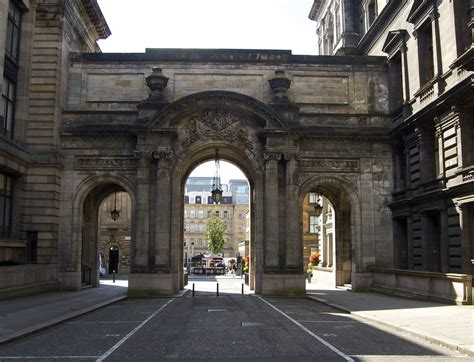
x,y
192,214
198,199
425,53
313,198
371,12
241,214
396,81
209,200
226,214
186,199
185,214
241,229
6,197
217,213
7,106
313,224
209,213
13,33
201,214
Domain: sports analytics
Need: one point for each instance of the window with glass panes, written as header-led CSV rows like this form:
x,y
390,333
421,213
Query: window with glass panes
x,y
13,32
6,193
313,224
7,105
10,75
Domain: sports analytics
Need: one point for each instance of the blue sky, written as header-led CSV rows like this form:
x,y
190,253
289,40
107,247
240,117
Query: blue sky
x,y
243,24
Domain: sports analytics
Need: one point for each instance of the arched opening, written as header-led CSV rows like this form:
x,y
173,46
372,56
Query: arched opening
x,y
224,259
115,232
327,234
319,238
105,233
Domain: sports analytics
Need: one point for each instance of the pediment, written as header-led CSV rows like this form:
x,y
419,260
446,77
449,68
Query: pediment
x,y
395,39
419,9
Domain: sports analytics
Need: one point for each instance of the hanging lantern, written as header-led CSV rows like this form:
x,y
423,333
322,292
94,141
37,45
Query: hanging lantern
x,y
216,187
115,214
318,208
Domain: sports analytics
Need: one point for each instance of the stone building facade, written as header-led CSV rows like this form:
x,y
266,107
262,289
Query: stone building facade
x,y
89,124
429,47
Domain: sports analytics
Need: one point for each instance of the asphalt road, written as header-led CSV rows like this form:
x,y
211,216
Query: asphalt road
x,y
246,328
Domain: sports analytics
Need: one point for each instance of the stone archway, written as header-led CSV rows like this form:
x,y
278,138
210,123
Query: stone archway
x,y
81,264
246,132
343,196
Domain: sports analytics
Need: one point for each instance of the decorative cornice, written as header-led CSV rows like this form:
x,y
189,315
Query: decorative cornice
x,y
97,18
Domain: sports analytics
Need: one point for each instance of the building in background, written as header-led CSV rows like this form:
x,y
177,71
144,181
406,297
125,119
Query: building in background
x,y
198,207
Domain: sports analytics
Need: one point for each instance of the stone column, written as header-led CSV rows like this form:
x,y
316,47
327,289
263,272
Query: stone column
x,y
271,211
440,139
411,263
294,244
462,159
444,241
438,66
163,210
405,75
466,222
140,254
425,241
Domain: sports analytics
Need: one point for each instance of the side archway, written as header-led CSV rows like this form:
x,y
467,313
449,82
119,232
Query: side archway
x,y
343,196
81,265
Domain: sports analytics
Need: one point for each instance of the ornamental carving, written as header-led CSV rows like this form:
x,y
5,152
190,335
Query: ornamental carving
x,y
272,156
216,125
90,163
329,165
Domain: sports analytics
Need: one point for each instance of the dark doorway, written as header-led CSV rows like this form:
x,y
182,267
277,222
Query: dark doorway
x,y
113,259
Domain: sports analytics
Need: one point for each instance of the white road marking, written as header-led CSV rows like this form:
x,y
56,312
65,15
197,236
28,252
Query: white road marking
x,y
135,330
110,322
345,322
47,357
327,344
375,357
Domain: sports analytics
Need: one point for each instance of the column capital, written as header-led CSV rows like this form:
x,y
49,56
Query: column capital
x,y
272,156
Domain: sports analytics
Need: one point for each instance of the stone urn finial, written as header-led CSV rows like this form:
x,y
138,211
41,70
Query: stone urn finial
x,y
157,82
279,85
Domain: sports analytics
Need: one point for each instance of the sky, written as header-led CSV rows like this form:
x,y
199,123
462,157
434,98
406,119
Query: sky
x,y
222,24
226,24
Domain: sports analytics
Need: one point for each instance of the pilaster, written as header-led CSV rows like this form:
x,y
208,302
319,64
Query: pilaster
x,y
271,247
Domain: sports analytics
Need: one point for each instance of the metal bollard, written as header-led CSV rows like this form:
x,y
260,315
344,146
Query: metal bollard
x,y
217,289
242,288
193,289
113,276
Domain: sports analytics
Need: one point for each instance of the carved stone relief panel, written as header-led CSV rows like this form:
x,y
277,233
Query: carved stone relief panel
x,y
216,124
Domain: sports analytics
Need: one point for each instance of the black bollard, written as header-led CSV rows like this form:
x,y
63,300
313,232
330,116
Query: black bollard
x,y
242,288
113,276
193,289
217,289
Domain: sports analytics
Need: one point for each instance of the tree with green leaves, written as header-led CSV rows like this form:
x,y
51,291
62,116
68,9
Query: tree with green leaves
x,y
215,231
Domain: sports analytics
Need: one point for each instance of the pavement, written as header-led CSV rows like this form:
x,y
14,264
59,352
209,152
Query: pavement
x,y
448,325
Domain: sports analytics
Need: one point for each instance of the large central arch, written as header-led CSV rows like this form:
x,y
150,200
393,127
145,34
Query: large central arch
x,y
187,132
